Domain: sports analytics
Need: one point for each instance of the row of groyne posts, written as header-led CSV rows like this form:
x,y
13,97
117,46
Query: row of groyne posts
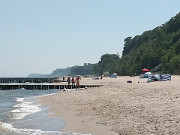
x,y
37,84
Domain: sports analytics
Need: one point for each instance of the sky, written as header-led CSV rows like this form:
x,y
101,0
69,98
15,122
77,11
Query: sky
x,y
39,36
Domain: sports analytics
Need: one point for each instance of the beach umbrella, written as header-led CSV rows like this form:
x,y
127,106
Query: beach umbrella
x,y
146,70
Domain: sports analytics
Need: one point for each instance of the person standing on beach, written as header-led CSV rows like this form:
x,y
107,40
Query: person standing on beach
x,y
69,80
63,78
73,81
78,81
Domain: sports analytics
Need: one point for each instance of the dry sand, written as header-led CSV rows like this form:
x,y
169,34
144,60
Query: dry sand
x,y
120,108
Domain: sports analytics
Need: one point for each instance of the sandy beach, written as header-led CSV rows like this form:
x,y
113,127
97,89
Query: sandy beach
x,y
120,108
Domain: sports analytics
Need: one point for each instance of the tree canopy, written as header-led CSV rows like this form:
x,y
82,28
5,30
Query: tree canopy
x,y
154,47
159,47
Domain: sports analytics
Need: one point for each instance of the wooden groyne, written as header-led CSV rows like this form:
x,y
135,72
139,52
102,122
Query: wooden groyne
x,y
40,86
29,80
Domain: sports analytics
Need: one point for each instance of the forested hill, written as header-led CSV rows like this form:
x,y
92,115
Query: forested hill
x,y
158,46
86,69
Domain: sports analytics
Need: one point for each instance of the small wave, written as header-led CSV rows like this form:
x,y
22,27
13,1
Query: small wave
x,y
19,99
23,109
10,129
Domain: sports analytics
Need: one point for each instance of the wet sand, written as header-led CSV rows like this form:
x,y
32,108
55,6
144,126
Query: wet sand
x,y
120,108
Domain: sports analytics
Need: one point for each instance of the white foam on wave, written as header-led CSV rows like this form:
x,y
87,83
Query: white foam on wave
x,y
19,99
36,131
24,108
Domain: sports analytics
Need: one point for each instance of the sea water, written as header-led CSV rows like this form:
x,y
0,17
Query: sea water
x,y
20,114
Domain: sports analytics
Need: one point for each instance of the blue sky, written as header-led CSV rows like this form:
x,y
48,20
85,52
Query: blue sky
x,y
39,36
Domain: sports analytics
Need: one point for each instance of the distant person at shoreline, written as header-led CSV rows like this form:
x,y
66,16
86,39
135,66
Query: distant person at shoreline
x,y
73,81
69,80
78,81
63,78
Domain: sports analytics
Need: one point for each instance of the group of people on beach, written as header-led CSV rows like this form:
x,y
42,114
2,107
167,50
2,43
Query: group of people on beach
x,y
74,80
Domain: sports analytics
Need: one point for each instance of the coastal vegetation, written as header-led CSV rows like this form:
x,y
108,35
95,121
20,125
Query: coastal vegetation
x,y
159,47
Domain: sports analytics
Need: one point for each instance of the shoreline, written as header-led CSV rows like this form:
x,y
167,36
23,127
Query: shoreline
x,y
26,115
68,111
74,121
119,107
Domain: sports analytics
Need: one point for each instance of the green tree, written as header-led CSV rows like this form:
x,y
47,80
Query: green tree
x,y
175,65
